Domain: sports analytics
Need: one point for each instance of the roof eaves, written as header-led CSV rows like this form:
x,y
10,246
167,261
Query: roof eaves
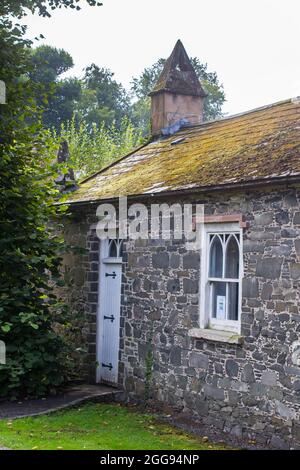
x,y
270,180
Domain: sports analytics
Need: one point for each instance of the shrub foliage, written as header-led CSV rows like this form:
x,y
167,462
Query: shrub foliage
x,y
37,357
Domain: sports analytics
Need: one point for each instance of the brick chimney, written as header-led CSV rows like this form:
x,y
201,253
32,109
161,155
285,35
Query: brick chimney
x,y
177,94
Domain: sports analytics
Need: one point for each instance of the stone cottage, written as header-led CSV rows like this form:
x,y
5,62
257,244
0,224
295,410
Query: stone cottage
x,y
214,333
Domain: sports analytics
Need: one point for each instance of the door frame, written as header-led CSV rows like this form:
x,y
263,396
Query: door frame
x,y
103,260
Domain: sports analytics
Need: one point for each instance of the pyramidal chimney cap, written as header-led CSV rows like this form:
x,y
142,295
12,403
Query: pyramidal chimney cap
x,y
178,75
178,96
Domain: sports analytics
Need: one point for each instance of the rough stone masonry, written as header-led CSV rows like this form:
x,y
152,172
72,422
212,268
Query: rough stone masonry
x,y
251,390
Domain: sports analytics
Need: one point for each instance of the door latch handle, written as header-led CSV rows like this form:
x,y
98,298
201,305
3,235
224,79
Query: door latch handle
x,y
111,318
109,366
113,275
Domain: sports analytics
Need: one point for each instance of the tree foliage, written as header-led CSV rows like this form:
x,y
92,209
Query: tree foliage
x,y
95,99
19,8
93,147
103,100
56,97
49,63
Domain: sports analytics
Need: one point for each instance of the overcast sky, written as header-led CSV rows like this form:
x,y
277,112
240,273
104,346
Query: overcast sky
x,y
253,45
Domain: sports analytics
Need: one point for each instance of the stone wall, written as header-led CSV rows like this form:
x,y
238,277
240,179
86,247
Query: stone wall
x,y
250,390
80,270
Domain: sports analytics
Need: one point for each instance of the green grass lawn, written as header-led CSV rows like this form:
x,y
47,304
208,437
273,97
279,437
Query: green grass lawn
x,y
97,427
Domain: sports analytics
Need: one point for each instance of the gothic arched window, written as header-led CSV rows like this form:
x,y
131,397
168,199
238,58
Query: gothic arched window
x,y
223,277
115,248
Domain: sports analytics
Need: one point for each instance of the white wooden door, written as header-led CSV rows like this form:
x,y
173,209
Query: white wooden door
x,y
108,334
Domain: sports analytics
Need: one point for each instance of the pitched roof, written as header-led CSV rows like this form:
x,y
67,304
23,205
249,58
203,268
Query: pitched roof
x,y
258,145
178,75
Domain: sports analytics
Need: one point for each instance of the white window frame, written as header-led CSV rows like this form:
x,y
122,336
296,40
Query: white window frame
x,y
206,319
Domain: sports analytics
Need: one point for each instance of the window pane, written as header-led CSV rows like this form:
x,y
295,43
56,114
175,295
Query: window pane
x,y
216,258
112,249
120,248
232,259
219,300
233,299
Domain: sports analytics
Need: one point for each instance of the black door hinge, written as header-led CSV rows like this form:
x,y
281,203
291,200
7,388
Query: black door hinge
x,y
111,318
113,275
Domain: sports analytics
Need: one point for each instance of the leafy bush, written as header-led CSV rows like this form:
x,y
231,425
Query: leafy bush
x,y
37,357
91,148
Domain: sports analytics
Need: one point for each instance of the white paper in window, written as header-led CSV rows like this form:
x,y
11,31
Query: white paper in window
x,y
221,304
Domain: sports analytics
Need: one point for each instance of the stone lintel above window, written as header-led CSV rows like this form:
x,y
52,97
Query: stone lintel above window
x,y
221,218
216,335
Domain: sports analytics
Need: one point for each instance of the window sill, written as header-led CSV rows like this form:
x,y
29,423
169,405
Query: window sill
x,y
216,335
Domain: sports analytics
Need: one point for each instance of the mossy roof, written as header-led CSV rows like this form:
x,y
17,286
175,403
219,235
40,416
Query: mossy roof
x,y
257,145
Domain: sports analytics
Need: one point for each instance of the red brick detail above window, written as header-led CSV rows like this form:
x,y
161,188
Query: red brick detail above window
x,y
219,218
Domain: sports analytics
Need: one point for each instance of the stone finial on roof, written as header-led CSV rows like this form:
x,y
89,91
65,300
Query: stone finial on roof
x,y
65,181
178,75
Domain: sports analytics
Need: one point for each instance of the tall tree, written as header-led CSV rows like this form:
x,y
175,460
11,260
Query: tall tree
x,y
142,85
103,100
55,96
